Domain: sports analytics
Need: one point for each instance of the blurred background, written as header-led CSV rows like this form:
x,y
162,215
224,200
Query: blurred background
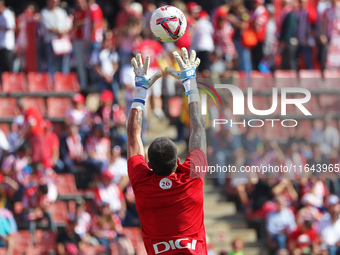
x,y
66,91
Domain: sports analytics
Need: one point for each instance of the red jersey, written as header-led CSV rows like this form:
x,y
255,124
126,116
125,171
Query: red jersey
x,y
170,208
150,48
94,18
303,239
259,20
79,16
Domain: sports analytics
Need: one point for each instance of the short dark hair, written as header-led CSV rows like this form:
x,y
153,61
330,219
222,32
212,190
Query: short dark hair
x,y
162,155
43,188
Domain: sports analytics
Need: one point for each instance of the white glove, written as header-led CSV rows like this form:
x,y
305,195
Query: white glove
x,y
141,81
187,74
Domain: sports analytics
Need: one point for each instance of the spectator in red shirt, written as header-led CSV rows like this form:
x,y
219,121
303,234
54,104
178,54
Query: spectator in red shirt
x,y
259,20
34,124
79,15
35,202
52,148
304,240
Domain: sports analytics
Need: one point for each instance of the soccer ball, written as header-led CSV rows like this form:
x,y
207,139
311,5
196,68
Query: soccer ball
x,y
168,23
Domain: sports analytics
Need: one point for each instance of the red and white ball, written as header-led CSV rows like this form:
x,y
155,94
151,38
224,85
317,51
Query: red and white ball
x,y
168,23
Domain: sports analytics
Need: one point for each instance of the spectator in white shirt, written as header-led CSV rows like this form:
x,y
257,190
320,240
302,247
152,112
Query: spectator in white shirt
x,y
203,42
118,168
331,139
7,38
329,227
280,223
105,64
56,25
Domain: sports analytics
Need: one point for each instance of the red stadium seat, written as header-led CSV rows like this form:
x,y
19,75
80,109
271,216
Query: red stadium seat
x,y
329,103
39,82
261,81
332,78
9,108
134,234
312,105
304,128
57,106
310,79
276,133
66,82
285,78
66,185
14,82
45,241
59,212
38,102
5,128
23,243
94,250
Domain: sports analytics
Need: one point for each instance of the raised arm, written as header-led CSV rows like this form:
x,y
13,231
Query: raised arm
x,y
135,122
187,75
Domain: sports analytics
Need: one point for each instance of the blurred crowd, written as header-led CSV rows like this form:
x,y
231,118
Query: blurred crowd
x,y
302,212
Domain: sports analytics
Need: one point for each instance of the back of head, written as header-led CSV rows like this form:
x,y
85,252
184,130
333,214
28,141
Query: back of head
x,y
162,155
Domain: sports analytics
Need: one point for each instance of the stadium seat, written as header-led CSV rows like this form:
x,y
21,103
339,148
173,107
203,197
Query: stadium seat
x,y
58,211
14,82
310,79
66,185
9,108
45,241
94,250
332,78
5,128
312,105
329,103
23,243
66,82
304,128
285,78
39,82
57,106
261,81
39,102
134,234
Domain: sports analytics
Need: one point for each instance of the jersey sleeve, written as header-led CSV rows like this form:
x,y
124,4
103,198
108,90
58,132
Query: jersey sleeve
x,y
197,164
137,169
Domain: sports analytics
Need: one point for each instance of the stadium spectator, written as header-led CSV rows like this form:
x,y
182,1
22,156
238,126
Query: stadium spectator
x,y
35,202
269,43
7,38
304,34
280,224
34,130
30,14
72,149
52,148
79,115
304,240
287,36
68,241
258,20
8,187
109,193
8,228
237,247
94,27
4,144
329,21
329,227
118,168
239,18
309,211
112,117
56,25
105,226
98,151
16,137
203,43
79,42
330,139
105,64
83,219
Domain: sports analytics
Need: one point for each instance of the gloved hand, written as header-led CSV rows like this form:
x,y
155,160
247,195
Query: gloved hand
x,y
187,74
141,81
